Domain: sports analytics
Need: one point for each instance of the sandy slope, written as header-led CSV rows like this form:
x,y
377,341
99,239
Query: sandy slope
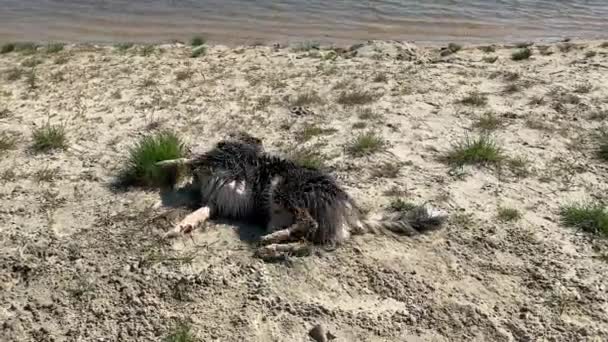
x,y
82,263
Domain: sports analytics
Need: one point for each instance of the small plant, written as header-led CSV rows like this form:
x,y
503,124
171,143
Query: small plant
x,y
147,50
49,138
508,214
306,46
61,60
31,80
488,122
380,78
482,150
6,48
545,50
46,175
182,333
512,88
198,51
602,139
122,47
521,54
26,48
147,83
519,166
368,114
54,47
565,47
583,88
182,75
356,97
590,217
311,131
537,100
386,170
359,125
31,62
450,49
488,48
399,205
308,158
197,41
14,74
306,99
474,99
590,54
141,168
7,142
365,144
490,59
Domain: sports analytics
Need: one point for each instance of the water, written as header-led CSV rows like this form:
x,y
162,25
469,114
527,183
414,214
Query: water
x,y
248,21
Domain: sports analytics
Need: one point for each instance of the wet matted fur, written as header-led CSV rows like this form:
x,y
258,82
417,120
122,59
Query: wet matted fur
x,y
239,180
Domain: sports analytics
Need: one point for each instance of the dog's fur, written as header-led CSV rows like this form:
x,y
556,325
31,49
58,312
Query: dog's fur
x,y
238,179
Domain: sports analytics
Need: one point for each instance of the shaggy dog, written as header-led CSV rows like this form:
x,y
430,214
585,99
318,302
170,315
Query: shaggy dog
x,y
297,205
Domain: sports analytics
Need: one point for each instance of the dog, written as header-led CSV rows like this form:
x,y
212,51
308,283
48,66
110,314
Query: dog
x,y
299,206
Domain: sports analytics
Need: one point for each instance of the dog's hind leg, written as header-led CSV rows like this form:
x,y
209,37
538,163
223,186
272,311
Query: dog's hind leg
x,y
305,226
190,222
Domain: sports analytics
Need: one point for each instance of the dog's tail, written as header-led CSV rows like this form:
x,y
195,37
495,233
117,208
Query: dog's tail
x,y
408,222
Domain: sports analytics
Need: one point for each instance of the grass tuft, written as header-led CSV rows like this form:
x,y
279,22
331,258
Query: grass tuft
x,y
7,47
487,48
122,47
306,99
488,122
198,51
308,157
583,88
399,205
365,144
482,150
311,131
521,54
197,41
490,59
54,47
141,169
49,137
26,48
356,97
13,74
7,142
508,214
590,217
474,99
182,333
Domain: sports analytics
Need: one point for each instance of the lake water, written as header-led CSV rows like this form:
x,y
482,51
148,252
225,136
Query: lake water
x,y
340,21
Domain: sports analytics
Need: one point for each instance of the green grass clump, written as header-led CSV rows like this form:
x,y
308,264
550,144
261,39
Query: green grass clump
x,y
7,142
49,138
356,97
508,214
8,47
55,47
399,205
311,131
308,158
521,54
365,144
122,47
197,41
482,150
141,168
602,151
26,48
182,333
590,217
474,99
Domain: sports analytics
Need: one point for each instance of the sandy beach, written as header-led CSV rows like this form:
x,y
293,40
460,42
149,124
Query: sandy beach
x,y
82,262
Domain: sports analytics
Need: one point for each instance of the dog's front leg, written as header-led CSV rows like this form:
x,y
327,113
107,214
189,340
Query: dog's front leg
x,y
305,226
190,222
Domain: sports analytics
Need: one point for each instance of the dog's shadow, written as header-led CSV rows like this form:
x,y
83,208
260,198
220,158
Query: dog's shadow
x,y
188,197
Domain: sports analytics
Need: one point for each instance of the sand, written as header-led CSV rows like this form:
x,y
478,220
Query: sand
x,y
81,262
